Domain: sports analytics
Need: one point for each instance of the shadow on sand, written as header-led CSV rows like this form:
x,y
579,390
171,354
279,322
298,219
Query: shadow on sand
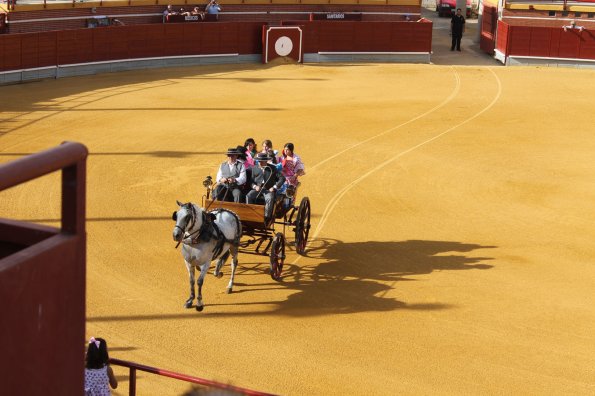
x,y
348,278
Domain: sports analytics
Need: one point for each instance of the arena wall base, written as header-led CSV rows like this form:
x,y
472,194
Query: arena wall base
x,y
384,57
82,69
550,62
500,56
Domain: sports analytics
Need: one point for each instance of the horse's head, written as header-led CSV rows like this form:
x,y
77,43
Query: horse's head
x,y
188,217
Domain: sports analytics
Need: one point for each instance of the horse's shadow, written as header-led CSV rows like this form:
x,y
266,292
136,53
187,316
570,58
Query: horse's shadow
x,y
356,277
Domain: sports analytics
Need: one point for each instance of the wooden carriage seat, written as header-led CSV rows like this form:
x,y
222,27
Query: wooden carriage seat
x,y
247,212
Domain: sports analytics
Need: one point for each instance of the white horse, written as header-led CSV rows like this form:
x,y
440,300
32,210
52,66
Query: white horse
x,y
204,237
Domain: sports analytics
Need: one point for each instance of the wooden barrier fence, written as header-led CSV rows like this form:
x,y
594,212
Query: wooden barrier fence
x,y
35,50
547,42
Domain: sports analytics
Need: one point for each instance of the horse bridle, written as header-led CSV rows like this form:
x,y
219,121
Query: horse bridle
x,y
190,223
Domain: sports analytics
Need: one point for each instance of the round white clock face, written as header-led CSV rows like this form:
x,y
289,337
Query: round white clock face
x,y
283,46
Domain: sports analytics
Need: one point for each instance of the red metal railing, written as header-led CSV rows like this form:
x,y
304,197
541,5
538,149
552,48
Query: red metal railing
x,y
188,378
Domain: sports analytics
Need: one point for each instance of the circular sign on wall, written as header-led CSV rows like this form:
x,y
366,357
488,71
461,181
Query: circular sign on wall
x,y
283,46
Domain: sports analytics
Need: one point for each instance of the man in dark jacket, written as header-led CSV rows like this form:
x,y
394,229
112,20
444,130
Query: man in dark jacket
x,y
457,28
266,180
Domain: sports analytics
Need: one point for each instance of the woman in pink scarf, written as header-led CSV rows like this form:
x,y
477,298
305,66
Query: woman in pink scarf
x,y
292,165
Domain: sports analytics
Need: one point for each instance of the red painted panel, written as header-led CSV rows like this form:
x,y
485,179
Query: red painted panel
x,y
67,47
29,50
555,42
48,54
12,52
209,40
587,49
101,51
137,42
229,38
173,34
118,43
569,44
155,39
249,38
83,45
336,36
502,37
2,56
380,37
45,311
191,39
488,29
540,42
520,40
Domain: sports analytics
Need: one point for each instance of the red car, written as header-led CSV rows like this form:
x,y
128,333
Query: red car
x,y
449,7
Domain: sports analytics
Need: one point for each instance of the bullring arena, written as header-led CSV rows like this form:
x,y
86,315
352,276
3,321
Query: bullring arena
x,y
452,223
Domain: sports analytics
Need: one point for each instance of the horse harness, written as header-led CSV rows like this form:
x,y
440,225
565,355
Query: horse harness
x,y
209,230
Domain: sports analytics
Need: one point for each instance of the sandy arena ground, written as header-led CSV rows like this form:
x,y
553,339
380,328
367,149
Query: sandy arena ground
x,y
452,233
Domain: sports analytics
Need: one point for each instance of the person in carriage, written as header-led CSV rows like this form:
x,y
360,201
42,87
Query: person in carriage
x,y
266,180
231,177
291,166
250,146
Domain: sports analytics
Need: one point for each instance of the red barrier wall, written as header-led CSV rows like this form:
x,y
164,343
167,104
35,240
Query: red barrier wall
x,y
502,37
31,50
546,42
489,24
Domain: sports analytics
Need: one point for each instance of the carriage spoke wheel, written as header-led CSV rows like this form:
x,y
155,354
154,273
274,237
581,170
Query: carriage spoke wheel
x,y
302,227
277,256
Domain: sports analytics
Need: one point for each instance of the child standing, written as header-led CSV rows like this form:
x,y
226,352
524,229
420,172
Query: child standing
x,y
98,373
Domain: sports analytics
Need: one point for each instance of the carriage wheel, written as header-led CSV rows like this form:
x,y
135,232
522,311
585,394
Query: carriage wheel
x,y
302,227
277,256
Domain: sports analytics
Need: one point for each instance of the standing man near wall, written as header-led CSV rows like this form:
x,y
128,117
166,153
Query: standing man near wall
x,y
213,8
457,27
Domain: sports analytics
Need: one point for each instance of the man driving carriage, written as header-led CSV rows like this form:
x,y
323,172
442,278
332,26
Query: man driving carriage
x,y
231,177
266,180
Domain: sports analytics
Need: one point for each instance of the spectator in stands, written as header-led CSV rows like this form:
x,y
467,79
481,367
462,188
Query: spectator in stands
x,y
231,176
457,28
213,8
291,165
266,180
183,12
168,11
99,376
198,12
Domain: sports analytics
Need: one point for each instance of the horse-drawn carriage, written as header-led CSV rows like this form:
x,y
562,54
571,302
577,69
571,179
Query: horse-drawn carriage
x,y
219,229
259,235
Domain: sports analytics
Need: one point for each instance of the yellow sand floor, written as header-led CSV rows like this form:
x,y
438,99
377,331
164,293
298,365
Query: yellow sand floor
x,y
451,249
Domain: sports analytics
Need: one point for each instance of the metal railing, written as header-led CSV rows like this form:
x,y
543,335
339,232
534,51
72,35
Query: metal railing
x,y
182,377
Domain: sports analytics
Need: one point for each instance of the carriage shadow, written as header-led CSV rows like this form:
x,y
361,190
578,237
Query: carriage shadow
x,y
345,278
356,277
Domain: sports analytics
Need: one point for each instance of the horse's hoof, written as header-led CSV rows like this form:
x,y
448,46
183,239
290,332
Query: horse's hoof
x,y
219,275
229,290
188,304
199,308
